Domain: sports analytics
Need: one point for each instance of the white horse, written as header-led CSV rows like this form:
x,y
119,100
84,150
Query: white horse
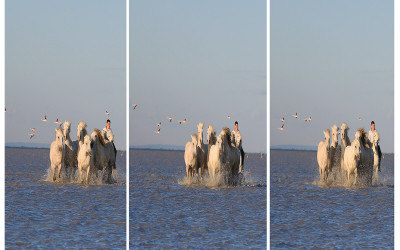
x,y
57,154
334,151
367,157
81,132
211,140
85,160
191,157
214,160
345,141
104,156
323,156
230,158
375,141
201,153
70,151
352,157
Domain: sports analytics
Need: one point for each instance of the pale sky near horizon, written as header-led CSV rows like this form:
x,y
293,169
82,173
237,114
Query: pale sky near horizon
x,y
201,61
333,61
66,60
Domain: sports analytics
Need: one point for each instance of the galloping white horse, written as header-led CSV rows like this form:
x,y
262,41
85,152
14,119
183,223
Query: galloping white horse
x,y
57,154
367,156
71,151
352,157
81,132
230,158
211,140
201,153
191,157
214,160
334,152
104,156
323,156
345,141
375,141
85,160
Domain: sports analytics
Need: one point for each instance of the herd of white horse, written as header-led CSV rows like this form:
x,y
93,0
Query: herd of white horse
x,y
359,157
221,158
88,154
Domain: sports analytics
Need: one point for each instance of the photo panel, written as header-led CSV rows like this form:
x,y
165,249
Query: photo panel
x,y
332,124
65,164
196,179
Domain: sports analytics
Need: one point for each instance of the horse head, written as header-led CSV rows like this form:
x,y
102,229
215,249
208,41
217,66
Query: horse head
x,y
335,130
81,130
327,134
88,143
210,134
67,128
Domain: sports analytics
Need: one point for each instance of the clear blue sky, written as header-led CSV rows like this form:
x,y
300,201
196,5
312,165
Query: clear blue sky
x,y
66,60
200,60
332,60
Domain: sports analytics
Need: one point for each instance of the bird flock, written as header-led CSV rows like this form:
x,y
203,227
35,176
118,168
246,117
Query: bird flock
x,y
296,116
32,133
169,120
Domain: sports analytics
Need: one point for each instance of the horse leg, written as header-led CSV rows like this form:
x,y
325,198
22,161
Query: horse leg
x,y
109,173
201,175
87,175
355,177
59,170
53,170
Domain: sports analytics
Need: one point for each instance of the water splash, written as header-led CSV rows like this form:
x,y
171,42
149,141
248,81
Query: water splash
x,y
96,178
244,179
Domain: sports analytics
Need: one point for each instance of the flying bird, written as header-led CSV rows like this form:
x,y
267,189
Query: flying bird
x,y
359,118
45,119
283,119
309,119
184,121
170,119
107,113
134,106
56,122
158,131
33,129
295,116
281,128
305,119
32,135
5,110
229,117
159,124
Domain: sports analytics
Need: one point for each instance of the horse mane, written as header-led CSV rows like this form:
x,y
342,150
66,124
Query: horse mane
x,y
364,138
101,138
228,133
344,126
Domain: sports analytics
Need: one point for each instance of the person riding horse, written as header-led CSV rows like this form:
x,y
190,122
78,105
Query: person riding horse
x,y
235,132
108,133
371,134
